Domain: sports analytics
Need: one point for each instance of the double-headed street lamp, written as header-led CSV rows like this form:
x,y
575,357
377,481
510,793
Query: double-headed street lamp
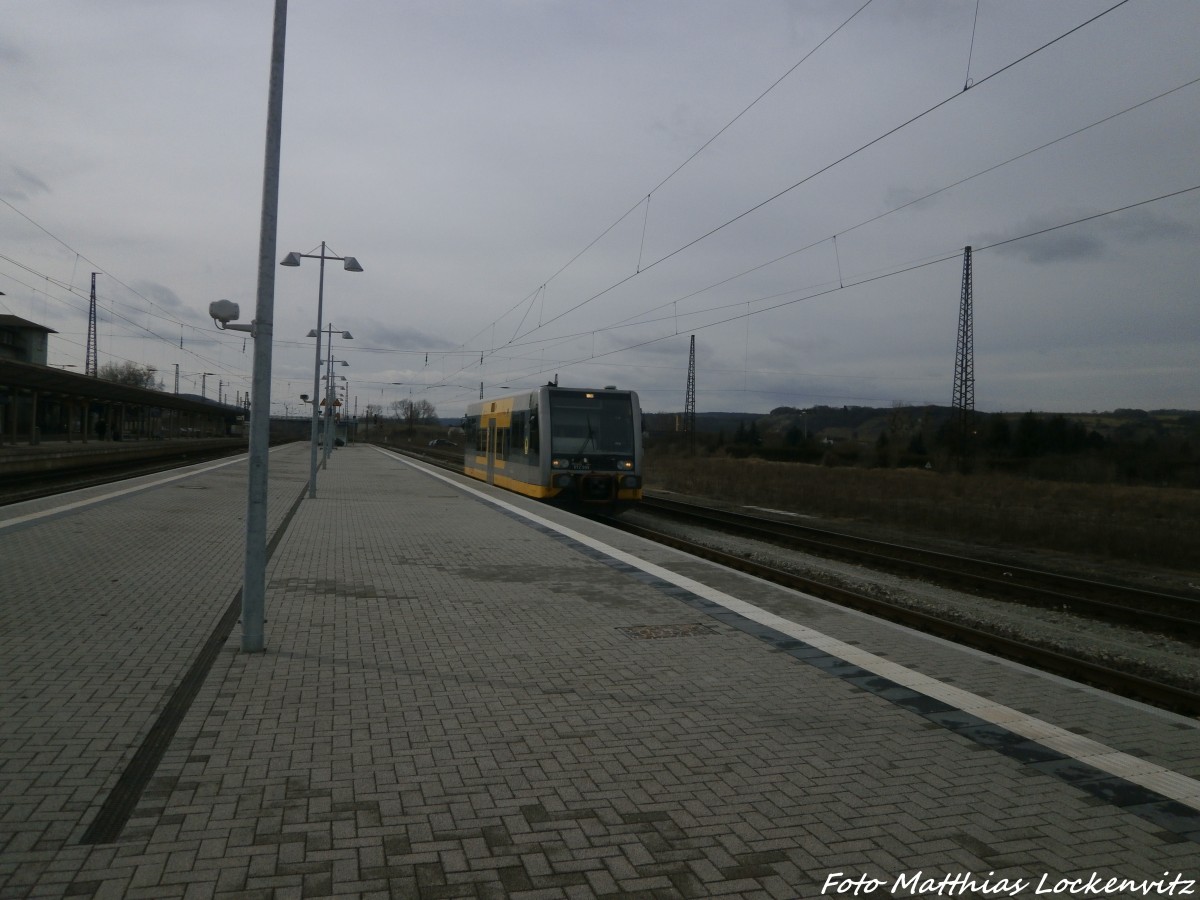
x,y
350,264
330,397
316,387
336,402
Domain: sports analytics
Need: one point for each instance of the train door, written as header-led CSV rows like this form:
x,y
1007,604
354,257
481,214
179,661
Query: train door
x,y
491,451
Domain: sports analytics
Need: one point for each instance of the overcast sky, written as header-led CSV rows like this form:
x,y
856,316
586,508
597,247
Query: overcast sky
x,y
539,188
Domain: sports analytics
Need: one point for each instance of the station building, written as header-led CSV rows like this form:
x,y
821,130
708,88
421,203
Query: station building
x,y
40,403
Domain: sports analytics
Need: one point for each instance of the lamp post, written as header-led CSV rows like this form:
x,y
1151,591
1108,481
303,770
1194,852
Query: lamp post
x,y
350,419
350,264
329,403
336,402
254,574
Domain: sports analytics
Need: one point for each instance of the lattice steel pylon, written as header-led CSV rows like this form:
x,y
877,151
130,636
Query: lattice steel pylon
x,y
689,402
89,360
963,402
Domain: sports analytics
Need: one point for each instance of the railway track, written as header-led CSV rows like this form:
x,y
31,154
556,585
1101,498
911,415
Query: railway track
x,y
1075,666
1169,614
17,489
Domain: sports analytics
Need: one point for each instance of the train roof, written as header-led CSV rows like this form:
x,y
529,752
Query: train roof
x,y
559,388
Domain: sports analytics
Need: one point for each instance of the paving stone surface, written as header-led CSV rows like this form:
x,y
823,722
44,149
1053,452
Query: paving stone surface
x,y
454,703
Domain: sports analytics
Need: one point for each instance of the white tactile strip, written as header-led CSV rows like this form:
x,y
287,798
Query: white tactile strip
x,y
1169,799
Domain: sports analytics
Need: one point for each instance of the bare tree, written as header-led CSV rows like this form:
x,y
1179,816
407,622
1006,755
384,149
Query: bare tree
x,y
415,412
132,374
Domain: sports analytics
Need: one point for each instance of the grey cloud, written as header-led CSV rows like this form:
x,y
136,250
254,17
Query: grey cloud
x,y
1056,246
377,334
684,125
160,294
1088,240
10,54
20,184
897,197
1143,225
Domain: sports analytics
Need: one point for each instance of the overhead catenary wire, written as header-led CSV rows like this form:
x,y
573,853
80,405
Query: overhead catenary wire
x,y
528,339
642,245
538,297
875,141
73,291
846,157
113,316
954,255
926,196
971,48
99,268
685,163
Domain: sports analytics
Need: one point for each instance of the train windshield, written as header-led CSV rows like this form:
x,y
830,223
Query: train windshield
x,y
585,422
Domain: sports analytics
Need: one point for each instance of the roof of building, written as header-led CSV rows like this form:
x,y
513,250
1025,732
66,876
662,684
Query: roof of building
x,y
7,321
49,380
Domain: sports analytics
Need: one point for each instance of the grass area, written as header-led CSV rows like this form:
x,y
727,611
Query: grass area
x,y
1152,526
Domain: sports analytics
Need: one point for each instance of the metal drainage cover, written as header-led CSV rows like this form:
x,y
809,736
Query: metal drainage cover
x,y
654,632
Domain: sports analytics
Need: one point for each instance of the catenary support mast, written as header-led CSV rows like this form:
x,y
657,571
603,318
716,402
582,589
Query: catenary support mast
x,y
963,401
689,403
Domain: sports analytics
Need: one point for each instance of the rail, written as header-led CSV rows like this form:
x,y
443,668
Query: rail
x,y
1158,693
1176,615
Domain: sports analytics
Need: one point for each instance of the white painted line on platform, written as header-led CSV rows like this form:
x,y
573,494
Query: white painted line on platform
x,y
1180,788
100,498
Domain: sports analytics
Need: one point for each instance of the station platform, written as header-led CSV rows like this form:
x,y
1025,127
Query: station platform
x,y
467,694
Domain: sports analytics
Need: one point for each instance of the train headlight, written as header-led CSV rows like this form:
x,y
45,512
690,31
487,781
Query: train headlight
x,y
558,464
625,464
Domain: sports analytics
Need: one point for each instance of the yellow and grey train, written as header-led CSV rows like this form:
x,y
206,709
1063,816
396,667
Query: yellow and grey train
x,y
559,444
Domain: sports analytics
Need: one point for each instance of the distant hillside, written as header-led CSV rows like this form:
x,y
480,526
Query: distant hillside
x,y
865,423
841,423
1159,446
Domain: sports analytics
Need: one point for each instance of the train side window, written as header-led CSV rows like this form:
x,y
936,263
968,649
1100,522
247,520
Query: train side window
x,y
524,434
502,443
481,439
517,433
